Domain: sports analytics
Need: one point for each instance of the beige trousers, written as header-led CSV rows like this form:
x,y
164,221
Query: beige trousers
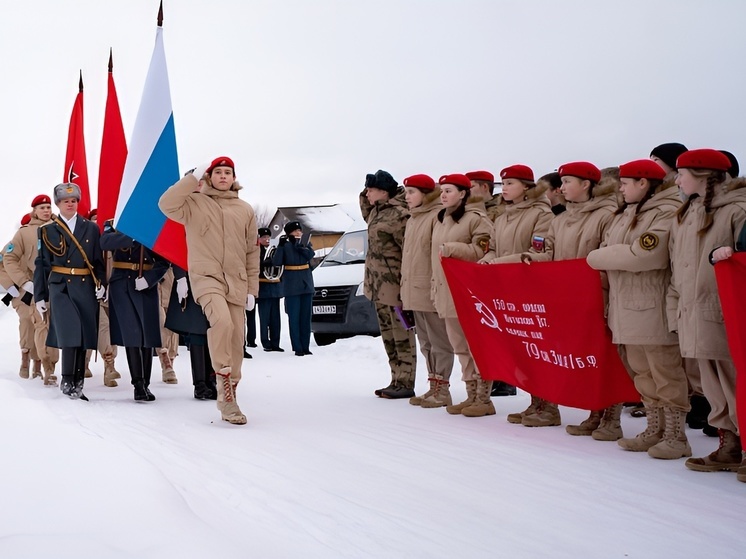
x,y
461,349
719,387
434,344
658,375
225,336
26,327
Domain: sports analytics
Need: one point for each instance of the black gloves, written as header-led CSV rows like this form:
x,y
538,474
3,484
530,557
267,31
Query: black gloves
x,y
283,240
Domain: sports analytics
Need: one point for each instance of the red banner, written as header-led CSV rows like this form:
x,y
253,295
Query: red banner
x,y
113,154
730,276
541,327
76,167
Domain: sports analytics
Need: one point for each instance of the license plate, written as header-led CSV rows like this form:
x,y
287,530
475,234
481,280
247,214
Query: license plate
x,y
325,309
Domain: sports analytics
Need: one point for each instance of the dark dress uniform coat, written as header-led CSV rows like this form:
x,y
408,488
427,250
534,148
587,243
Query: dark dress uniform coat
x,y
292,253
134,315
73,308
186,319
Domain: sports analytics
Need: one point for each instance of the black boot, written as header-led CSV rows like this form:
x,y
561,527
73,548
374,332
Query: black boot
x,y
67,370
398,391
500,388
147,367
134,362
197,360
78,373
210,380
696,418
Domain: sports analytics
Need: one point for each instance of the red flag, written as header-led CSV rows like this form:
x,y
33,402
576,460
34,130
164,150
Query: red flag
x,y
76,168
542,328
113,154
729,274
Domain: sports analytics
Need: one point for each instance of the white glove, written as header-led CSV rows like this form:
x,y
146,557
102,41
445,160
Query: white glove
x,y
100,292
28,287
41,306
200,170
250,302
182,289
140,284
14,291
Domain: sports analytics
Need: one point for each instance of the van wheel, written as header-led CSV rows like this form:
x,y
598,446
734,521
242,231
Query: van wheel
x,y
324,339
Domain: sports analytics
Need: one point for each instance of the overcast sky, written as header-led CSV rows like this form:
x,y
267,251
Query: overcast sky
x,y
309,96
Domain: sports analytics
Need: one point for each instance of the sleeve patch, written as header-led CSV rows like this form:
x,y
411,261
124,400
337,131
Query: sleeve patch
x,y
9,249
484,244
538,243
648,241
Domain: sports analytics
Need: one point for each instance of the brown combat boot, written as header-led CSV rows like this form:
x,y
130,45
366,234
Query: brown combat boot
x,y
674,444
587,426
229,410
50,379
726,458
517,418
650,437
547,415
482,403
110,373
417,400
441,397
23,372
610,428
167,367
36,372
471,394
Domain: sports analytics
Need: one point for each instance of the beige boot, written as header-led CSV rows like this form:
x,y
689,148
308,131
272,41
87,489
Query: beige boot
x,y
726,458
517,418
167,367
547,415
50,379
587,426
417,400
674,444
227,405
110,371
36,373
441,397
483,403
23,372
610,428
471,394
650,437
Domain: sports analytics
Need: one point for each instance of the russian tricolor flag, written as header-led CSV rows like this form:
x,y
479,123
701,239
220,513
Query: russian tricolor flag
x,y
152,166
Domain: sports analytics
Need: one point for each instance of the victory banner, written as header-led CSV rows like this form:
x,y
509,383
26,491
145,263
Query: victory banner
x,y
541,327
730,275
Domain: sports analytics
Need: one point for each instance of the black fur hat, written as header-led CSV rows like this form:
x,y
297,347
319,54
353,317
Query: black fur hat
x,y
382,181
669,153
291,226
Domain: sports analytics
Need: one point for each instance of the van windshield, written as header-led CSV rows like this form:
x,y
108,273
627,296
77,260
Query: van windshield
x,y
350,249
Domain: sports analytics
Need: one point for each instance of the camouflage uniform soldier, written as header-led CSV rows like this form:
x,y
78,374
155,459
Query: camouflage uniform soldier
x,y
383,207
483,187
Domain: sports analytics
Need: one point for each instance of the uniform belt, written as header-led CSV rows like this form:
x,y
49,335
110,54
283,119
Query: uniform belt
x,y
71,271
296,268
131,266
263,280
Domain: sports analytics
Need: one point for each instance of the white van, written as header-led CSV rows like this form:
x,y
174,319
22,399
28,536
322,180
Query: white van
x,y
340,310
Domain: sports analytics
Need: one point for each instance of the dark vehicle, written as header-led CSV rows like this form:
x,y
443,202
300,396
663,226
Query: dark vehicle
x,y
340,310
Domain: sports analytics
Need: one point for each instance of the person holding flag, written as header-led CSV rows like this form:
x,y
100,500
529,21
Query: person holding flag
x,y
223,261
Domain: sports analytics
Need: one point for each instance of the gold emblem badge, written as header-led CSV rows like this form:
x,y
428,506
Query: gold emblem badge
x,y
484,244
648,241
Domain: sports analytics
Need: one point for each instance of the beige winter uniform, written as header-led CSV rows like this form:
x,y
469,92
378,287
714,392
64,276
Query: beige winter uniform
x,y
522,225
637,263
223,262
693,303
19,263
467,239
24,312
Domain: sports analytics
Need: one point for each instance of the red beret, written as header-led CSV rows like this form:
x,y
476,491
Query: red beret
x,y
41,199
641,169
582,170
522,172
703,159
221,162
26,219
456,179
481,176
420,181
93,213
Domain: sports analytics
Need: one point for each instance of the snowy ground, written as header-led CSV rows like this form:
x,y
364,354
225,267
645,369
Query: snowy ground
x,y
325,469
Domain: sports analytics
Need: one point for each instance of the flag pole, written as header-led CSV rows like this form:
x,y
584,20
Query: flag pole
x,y
160,14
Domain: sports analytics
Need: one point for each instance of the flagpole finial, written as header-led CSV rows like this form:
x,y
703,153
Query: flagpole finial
x,y
111,61
160,14
80,83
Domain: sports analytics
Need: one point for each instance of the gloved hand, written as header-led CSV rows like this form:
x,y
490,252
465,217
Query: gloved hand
x,y
182,289
28,287
41,307
250,302
283,240
141,284
100,292
200,170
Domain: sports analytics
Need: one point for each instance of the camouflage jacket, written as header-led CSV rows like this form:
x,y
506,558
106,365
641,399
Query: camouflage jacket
x,y
386,223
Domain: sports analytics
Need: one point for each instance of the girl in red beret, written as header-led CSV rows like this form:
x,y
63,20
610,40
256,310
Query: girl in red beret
x,y
591,205
636,260
461,231
712,216
423,198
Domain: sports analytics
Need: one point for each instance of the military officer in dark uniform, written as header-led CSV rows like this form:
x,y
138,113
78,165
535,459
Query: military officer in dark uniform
x,y
134,305
67,283
295,254
270,293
